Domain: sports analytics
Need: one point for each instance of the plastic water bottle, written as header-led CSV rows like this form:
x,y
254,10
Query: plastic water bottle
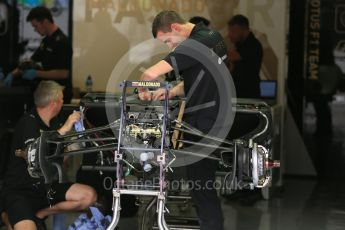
x,y
88,84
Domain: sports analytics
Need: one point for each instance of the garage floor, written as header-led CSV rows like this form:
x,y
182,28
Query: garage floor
x,y
303,204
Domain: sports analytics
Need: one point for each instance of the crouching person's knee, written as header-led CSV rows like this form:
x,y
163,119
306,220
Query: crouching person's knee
x,y
90,197
84,195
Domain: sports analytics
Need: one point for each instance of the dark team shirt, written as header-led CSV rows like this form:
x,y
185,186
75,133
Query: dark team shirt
x,y
55,52
200,111
246,73
26,131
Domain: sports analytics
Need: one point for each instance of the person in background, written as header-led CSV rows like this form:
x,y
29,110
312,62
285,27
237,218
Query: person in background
x,y
53,58
245,58
27,200
220,11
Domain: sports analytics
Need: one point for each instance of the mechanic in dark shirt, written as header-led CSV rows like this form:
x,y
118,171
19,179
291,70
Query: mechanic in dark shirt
x,y
245,59
25,198
53,56
199,19
200,88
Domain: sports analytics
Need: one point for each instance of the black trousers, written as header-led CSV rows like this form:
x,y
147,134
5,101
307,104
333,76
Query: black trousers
x,y
202,175
204,194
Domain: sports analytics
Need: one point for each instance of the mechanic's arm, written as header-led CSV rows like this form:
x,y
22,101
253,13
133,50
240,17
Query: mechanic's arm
x,y
178,90
16,72
72,119
54,74
152,74
234,56
155,71
32,74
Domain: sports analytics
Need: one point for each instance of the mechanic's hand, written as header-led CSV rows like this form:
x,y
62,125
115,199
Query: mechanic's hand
x,y
30,74
73,118
23,153
145,96
159,94
234,56
8,80
17,72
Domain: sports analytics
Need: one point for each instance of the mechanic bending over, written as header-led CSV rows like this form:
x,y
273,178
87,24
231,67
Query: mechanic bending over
x,y
174,31
53,58
25,198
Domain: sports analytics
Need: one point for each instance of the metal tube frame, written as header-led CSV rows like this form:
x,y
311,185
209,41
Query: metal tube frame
x,y
161,159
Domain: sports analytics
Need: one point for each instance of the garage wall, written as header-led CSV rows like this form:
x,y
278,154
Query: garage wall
x,y
104,32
